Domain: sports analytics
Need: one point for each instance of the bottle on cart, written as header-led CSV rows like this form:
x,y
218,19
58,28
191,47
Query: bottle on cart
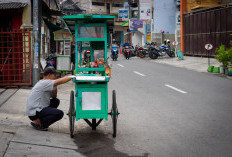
x,y
88,65
96,66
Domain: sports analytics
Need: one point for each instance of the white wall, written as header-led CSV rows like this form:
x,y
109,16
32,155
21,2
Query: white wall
x,y
164,16
137,39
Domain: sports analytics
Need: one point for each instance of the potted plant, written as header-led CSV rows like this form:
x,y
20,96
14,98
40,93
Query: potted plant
x,y
224,56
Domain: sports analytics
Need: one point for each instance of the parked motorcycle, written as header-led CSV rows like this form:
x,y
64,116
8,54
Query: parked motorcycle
x,y
142,52
132,51
114,52
155,51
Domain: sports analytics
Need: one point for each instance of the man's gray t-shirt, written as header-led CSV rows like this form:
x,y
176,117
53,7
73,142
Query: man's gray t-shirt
x,y
39,97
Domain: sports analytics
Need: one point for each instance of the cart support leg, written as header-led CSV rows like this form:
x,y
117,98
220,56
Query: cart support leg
x,y
88,122
99,122
94,124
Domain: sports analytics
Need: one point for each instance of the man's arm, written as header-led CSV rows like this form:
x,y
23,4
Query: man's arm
x,y
63,80
54,93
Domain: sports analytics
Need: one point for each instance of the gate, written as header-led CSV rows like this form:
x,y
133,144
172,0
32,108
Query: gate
x,y
213,26
15,58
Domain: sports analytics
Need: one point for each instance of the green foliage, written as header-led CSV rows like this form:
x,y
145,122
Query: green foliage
x,y
231,42
224,55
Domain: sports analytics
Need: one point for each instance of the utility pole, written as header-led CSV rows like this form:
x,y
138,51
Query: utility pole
x,y
36,41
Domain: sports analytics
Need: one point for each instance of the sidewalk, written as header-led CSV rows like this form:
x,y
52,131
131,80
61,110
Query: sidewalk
x,y
199,64
19,139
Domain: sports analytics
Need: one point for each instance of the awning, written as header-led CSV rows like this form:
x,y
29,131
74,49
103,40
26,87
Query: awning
x,y
49,11
52,27
125,24
12,5
89,18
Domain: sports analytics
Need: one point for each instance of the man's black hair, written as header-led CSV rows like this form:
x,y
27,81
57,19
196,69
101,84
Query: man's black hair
x,y
49,70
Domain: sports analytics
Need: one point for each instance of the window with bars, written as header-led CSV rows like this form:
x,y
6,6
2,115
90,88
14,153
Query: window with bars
x,y
98,3
118,5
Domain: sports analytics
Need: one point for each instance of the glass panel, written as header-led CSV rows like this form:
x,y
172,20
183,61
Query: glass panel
x,y
91,100
63,63
91,32
67,47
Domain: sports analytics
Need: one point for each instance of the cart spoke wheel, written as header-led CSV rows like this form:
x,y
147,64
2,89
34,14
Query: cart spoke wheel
x,y
114,113
72,114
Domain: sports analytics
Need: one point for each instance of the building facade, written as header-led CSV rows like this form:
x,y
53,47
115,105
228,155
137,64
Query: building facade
x,y
16,38
164,16
164,20
205,22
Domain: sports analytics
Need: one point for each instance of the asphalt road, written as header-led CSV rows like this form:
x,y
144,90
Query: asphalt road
x,y
171,112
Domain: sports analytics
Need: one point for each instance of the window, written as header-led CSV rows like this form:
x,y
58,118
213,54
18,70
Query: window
x,y
98,3
117,5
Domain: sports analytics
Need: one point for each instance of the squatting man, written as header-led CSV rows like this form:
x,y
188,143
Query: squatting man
x,y
42,102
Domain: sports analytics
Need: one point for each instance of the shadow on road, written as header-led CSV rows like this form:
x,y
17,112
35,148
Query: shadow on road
x,y
97,144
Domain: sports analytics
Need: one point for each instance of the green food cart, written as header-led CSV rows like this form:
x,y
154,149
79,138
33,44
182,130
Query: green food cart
x,y
90,99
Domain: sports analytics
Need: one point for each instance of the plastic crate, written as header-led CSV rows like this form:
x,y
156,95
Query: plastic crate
x,y
230,70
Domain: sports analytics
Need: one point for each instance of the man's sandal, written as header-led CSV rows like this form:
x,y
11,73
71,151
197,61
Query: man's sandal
x,y
38,127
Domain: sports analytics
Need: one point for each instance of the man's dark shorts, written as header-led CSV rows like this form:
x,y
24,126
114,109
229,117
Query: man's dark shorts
x,y
49,115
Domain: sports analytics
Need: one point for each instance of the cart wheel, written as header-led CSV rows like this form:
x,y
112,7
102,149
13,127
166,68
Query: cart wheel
x,y
72,114
114,114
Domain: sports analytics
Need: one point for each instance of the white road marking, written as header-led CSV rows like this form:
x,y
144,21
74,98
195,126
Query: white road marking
x,y
174,88
139,73
120,65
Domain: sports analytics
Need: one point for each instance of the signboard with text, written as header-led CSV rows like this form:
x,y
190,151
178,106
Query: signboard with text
x,y
148,28
62,35
208,47
123,14
148,37
134,24
145,10
178,19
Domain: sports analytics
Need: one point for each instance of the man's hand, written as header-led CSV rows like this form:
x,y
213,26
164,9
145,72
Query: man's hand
x,y
71,76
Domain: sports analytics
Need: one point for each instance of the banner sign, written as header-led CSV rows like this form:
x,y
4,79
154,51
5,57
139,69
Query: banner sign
x,y
134,24
145,10
148,38
148,30
62,35
178,19
123,14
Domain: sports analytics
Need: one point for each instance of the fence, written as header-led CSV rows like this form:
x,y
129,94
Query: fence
x,y
15,58
213,26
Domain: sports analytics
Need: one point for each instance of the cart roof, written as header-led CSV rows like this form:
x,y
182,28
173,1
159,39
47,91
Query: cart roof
x,y
89,18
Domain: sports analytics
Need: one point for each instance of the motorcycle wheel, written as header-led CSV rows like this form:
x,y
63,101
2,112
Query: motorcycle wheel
x,y
153,55
171,54
141,54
